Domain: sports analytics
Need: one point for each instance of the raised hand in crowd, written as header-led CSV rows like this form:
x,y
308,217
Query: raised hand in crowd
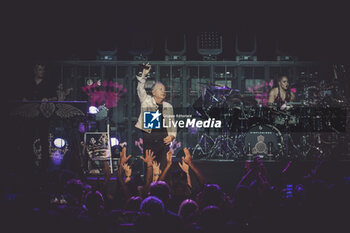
x,y
123,161
262,171
185,167
169,161
169,157
128,171
168,139
148,159
108,174
156,171
320,162
123,158
188,160
256,172
107,169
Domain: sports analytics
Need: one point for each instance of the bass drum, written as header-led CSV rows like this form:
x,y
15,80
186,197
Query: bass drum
x,y
263,140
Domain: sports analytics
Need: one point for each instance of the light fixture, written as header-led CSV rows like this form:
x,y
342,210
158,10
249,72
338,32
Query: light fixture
x,y
175,55
141,47
114,141
283,55
93,110
107,55
59,142
209,45
246,55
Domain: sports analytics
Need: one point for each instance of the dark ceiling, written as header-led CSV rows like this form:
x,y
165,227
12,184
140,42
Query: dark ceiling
x,y
60,31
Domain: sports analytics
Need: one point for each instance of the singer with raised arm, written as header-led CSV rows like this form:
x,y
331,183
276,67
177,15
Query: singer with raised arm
x,y
158,138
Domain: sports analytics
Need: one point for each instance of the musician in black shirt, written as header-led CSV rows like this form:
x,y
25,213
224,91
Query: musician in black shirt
x,y
36,130
39,87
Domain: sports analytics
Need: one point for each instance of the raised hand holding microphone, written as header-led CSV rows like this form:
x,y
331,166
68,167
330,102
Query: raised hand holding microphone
x,y
146,68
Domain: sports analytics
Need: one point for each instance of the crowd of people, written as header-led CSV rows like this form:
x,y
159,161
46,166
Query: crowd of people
x,y
166,201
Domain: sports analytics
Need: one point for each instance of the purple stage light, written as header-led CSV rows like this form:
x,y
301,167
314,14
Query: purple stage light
x,y
81,127
56,157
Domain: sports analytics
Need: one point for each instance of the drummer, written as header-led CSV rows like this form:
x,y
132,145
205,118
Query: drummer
x,y
280,94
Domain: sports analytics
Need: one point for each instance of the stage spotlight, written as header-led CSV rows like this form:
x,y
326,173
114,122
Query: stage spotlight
x,y
209,45
141,47
114,142
93,110
177,54
107,55
285,54
59,142
246,55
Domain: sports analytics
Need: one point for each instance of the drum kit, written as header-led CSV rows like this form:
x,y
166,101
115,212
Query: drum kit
x,y
249,129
